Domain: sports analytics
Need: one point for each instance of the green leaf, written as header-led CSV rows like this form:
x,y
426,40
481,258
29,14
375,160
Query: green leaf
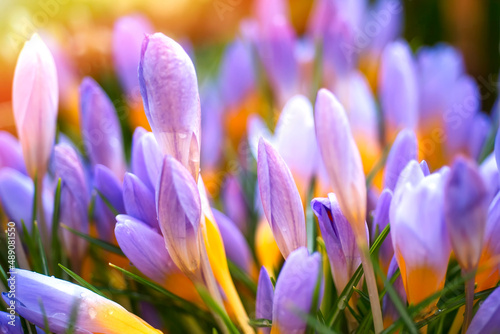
x,y
216,308
260,323
55,242
242,276
81,281
43,258
44,314
98,242
311,232
108,203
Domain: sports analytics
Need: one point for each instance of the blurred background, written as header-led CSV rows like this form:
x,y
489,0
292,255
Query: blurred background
x,y
82,30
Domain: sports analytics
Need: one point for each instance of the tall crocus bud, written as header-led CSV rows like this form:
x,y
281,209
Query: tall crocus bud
x,y
380,221
403,150
341,158
294,292
169,91
280,200
486,320
146,159
419,235
101,130
466,209
179,212
95,314
340,241
398,88
74,200
144,247
264,299
391,314
34,102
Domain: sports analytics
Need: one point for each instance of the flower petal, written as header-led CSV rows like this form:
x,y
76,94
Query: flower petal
x,y
139,200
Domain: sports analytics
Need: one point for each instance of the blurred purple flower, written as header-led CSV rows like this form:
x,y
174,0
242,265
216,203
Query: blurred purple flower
x,y
264,299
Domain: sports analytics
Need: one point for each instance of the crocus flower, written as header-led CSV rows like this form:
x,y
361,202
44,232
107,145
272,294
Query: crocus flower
x,y
16,196
293,296
380,221
139,200
339,238
11,154
169,91
235,245
234,202
466,209
419,235
491,176
486,320
35,102
128,34
179,213
264,299
280,200
95,314
110,193
390,312
398,88
342,159
74,200
403,150
101,130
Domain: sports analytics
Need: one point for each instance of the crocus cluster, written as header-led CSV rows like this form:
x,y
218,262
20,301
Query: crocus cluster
x,y
361,180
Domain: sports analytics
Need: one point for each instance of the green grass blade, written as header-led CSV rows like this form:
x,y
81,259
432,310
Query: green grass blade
x,y
215,307
81,281
98,242
55,242
43,257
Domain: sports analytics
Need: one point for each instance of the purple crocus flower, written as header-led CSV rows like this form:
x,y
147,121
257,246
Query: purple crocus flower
x,y
11,154
169,91
280,199
146,158
16,195
381,220
145,248
235,205
101,130
425,168
128,34
293,296
466,209
109,187
178,206
95,314
74,200
491,176
398,88
390,312
342,159
340,241
139,200
264,299
34,102
11,324
403,150
235,245
486,320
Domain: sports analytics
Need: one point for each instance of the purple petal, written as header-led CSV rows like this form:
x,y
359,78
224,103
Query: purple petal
x,y
10,323
236,246
466,209
425,168
101,130
388,14
264,299
492,230
178,206
11,154
402,151
109,187
486,320
280,200
234,202
147,159
391,314
398,88
74,200
237,75
296,140
35,102
341,158
139,200
169,91
144,247
480,128
267,11
340,241
381,219
294,290
128,34
490,174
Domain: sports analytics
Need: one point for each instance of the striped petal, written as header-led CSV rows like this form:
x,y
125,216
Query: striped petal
x,y
139,200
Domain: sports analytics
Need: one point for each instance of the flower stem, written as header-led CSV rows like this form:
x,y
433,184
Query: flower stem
x,y
469,302
372,287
